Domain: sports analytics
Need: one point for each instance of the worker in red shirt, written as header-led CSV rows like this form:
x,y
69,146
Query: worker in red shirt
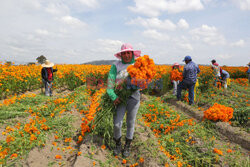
x,y
47,76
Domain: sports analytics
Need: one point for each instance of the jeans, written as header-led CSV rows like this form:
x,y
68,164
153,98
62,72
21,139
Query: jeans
x,y
184,85
175,83
48,88
132,108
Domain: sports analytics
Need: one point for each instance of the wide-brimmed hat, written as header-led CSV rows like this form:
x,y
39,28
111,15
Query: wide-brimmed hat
x,y
128,47
47,63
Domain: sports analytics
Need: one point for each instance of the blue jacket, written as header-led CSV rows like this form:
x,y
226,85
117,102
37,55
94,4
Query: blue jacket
x,y
190,73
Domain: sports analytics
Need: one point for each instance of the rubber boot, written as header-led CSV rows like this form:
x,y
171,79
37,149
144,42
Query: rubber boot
x,y
126,151
118,147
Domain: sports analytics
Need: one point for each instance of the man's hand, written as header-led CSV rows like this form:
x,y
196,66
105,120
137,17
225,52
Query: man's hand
x,y
117,101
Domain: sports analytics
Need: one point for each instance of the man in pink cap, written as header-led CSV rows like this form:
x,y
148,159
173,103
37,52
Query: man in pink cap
x,y
117,74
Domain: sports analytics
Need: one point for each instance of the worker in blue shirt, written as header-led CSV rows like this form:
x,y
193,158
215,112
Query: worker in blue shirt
x,y
224,76
189,79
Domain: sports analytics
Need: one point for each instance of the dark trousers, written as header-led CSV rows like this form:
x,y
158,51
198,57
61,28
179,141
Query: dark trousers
x,y
190,87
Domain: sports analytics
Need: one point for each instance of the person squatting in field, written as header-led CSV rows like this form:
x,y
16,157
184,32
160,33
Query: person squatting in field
x,y
189,79
216,70
176,66
47,76
117,73
224,77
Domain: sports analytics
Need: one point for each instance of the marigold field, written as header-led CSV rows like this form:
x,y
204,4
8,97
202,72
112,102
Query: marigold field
x,y
73,127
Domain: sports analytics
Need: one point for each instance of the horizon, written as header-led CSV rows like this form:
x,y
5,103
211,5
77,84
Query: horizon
x,y
86,63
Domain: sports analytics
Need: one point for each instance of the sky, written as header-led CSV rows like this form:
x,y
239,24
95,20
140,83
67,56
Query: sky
x,y
79,31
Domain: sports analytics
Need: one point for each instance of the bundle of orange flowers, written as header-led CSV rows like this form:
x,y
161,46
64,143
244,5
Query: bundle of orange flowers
x,y
219,112
142,72
176,75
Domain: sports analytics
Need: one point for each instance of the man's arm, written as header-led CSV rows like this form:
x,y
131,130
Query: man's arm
x,y
198,69
111,83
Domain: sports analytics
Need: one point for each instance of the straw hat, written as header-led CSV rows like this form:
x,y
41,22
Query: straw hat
x,y
128,47
47,63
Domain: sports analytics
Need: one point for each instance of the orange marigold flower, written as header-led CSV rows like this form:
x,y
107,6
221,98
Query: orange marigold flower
x,y
9,139
32,137
67,140
218,151
79,139
52,115
141,160
103,147
124,161
56,137
13,155
58,157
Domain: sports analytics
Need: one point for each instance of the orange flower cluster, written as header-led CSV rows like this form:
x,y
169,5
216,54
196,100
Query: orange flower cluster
x,y
176,75
60,101
13,99
142,72
219,112
241,81
32,128
154,118
218,151
16,79
91,113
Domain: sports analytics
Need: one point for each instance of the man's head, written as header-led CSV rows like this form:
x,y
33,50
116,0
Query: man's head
x,y
187,59
213,61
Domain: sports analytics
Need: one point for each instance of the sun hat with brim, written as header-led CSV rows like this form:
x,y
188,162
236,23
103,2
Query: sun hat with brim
x,y
187,58
128,47
47,63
